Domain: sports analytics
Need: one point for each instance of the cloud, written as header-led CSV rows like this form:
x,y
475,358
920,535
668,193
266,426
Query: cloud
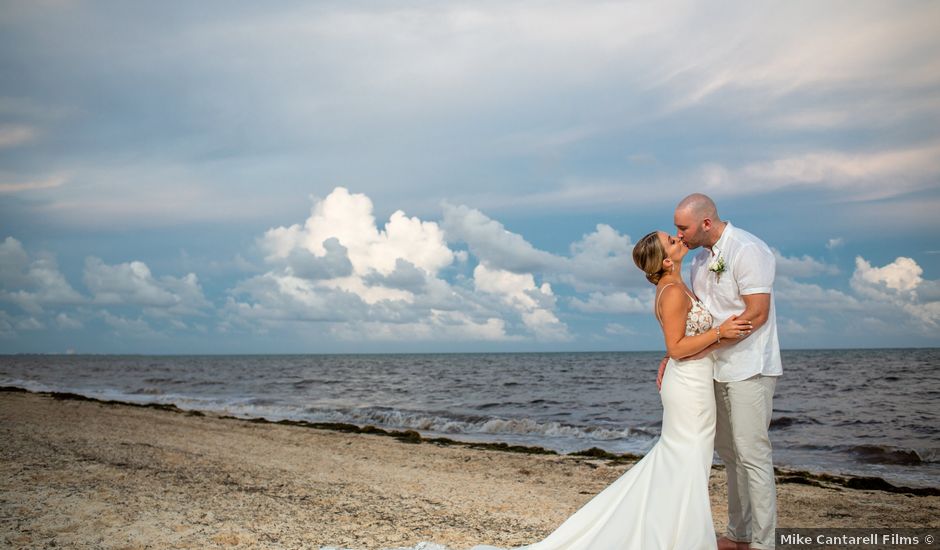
x,y
333,263
897,284
131,328
340,269
6,325
12,135
599,260
447,326
391,281
47,183
602,260
277,296
615,303
894,295
348,219
869,175
803,267
616,329
900,277
535,304
29,323
788,52
835,242
814,297
490,241
63,321
13,263
33,283
132,284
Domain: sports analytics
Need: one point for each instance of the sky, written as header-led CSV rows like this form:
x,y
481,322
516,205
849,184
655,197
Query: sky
x,y
340,177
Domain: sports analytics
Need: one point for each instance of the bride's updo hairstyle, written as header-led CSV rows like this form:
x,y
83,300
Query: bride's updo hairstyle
x,y
648,255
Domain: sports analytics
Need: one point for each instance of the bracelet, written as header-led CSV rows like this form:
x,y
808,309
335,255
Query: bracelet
x,y
718,331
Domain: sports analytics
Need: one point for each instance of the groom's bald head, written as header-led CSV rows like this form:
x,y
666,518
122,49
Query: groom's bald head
x,y
697,221
700,207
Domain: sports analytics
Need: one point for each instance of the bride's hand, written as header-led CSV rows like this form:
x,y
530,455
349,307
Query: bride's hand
x,y
735,328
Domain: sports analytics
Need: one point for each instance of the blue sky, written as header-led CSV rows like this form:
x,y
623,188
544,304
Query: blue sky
x,y
225,177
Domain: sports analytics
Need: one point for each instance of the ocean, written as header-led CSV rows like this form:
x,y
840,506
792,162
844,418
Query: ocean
x,y
856,412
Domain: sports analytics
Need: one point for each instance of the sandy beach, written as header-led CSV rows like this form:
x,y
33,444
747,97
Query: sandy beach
x,y
81,473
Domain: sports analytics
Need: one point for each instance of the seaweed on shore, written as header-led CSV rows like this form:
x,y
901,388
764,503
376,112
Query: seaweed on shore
x,y
597,452
862,483
829,481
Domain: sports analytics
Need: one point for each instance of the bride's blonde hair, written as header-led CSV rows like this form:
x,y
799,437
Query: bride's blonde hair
x,y
648,255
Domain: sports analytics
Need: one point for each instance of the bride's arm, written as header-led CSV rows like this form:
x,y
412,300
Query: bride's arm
x,y
675,308
725,342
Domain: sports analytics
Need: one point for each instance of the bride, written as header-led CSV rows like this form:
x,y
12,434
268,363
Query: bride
x,y
662,501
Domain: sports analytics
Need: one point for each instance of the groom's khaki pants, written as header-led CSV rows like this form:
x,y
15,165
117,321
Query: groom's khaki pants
x,y
741,439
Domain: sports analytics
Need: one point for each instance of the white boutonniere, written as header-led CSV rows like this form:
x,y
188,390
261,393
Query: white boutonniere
x,y
718,267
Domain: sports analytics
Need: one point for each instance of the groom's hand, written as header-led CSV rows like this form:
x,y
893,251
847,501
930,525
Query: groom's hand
x,y
661,373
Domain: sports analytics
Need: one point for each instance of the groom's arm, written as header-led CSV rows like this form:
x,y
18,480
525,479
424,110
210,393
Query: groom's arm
x,y
754,273
756,309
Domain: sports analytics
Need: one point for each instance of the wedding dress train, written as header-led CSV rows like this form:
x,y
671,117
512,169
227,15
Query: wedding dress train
x,y
661,503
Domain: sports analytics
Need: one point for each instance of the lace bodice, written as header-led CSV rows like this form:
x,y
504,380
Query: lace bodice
x,y
697,321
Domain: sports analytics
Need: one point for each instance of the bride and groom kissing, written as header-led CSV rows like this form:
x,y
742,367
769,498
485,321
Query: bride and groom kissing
x,y
716,384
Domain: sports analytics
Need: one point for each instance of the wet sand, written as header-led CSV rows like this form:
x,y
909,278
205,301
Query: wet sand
x,y
82,473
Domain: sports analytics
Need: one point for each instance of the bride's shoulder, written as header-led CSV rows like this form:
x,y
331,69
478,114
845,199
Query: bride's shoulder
x,y
671,292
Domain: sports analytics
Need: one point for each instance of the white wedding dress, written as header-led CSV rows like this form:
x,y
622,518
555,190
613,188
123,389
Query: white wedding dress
x,y
662,501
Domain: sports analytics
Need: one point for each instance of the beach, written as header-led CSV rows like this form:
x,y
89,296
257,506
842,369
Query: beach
x,y
84,473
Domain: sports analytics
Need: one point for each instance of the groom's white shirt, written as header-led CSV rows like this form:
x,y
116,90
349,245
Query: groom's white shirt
x,y
749,269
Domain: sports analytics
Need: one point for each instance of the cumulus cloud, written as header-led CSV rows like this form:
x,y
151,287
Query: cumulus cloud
x,y
895,295
32,283
900,284
65,322
535,304
132,283
814,297
340,269
599,260
130,328
348,218
805,266
902,276
602,260
615,302
333,263
490,241
835,243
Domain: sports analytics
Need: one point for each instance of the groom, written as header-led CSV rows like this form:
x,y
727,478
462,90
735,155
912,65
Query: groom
x,y
733,273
